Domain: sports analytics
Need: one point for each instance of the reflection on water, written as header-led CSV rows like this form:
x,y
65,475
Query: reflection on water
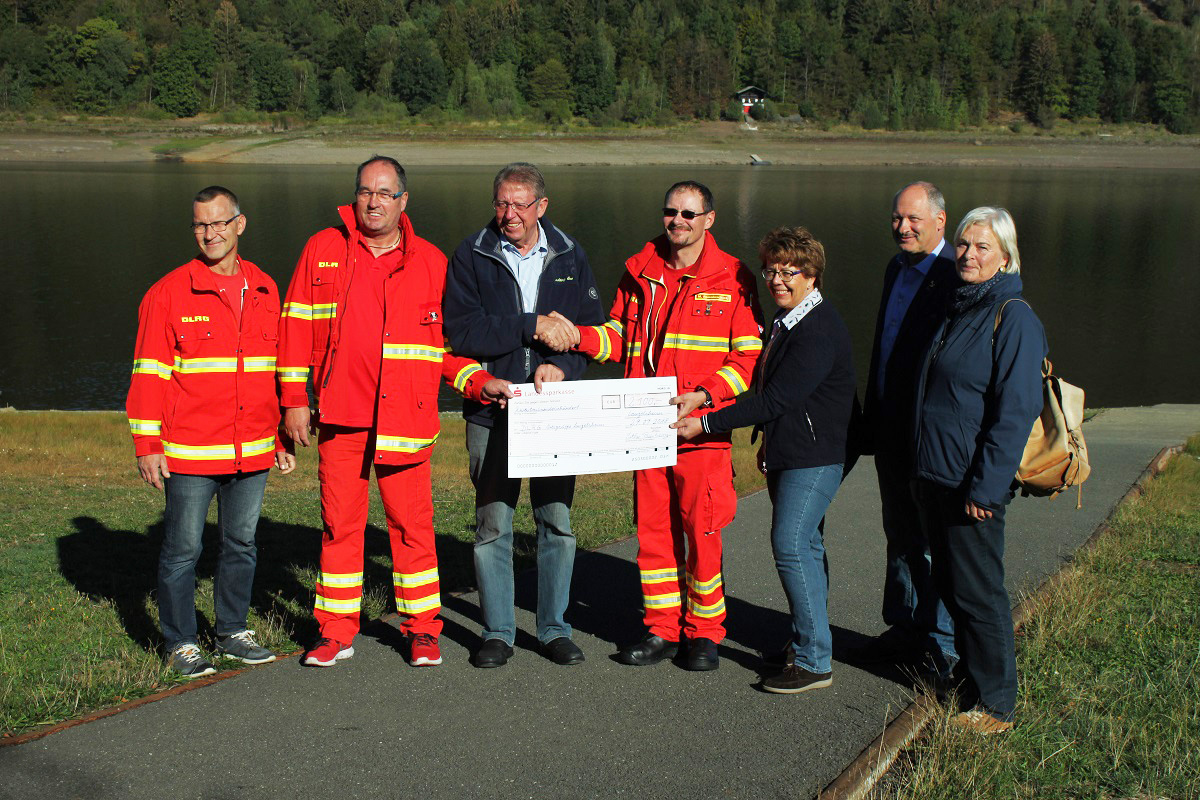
x,y
1108,256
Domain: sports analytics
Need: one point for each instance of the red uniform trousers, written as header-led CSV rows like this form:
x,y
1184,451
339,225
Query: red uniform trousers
x,y
346,456
680,513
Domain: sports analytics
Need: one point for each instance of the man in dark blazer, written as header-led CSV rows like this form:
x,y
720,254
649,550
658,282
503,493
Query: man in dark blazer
x,y
915,284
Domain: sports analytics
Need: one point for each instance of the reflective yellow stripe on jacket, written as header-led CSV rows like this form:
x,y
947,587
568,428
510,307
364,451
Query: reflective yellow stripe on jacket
x,y
195,366
150,366
399,444
706,344
292,374
464,375
413,352
145,427
318,311
259,363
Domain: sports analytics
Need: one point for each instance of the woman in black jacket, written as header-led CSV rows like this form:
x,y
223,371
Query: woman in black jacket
x,y
803,402
977,397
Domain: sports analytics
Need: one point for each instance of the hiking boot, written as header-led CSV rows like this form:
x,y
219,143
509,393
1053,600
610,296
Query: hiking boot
x,y
424,650
794,680
187,660
241,645
327,652
980,721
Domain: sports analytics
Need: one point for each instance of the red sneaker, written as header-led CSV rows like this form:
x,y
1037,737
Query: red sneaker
x,y
326,653
424,651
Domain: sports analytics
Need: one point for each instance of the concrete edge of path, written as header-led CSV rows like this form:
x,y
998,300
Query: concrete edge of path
x,y
861,775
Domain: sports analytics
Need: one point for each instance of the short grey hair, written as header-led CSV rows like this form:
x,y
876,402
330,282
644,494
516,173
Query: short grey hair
x,y
1003,228
523,173
937,203
210,193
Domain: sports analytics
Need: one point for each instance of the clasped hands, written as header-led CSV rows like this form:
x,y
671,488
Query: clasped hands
x,y
556,332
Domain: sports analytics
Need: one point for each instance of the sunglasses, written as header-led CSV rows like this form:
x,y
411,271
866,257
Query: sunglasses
x,y
686,214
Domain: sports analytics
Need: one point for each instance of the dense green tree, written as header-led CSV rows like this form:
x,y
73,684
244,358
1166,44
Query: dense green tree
x,y
1088,85
549,82
271,77
928,63
594,80
175,84
341,90
420,76
1039,90
1120,74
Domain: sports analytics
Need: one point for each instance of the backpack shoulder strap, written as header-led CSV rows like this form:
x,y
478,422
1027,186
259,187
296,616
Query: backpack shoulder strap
x,y
1000,312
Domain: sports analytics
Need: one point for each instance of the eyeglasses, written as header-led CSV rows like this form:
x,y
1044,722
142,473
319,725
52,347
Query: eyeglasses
x,y
685,213
218,227
384,197
505,205
785,275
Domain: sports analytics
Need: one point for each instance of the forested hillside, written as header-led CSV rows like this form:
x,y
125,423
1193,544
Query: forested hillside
x,y
898,64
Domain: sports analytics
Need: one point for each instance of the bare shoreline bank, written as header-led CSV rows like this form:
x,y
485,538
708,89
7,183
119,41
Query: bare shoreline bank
x,y
706,147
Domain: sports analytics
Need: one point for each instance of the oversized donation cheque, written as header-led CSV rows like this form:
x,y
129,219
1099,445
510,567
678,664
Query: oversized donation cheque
x,y
582,427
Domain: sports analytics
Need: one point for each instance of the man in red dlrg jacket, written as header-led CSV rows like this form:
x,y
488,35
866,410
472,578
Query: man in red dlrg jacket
x,y
204,412
684,308
363,319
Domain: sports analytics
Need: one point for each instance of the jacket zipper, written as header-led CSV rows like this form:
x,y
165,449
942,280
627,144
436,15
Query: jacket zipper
x,y
811,431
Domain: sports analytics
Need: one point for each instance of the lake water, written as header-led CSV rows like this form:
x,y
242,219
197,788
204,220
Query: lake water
x,y
1109,258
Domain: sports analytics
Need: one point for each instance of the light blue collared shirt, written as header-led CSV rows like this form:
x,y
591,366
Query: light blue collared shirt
x,y
903,291
527,269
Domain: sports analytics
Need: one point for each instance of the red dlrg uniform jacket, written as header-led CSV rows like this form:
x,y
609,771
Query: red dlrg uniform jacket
x,y
415,356
712,327
203,389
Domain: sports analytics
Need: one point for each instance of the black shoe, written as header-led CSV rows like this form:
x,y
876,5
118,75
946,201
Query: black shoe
x,y
650,650
563,651
794,680
494,653
702,655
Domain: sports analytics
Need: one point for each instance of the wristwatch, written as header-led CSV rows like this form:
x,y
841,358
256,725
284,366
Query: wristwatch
x,y
708,401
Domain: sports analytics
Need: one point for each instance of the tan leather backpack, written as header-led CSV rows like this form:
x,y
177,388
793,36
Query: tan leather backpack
x,y
1056,456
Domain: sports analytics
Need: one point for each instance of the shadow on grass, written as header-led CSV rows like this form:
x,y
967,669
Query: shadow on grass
x,y
121,567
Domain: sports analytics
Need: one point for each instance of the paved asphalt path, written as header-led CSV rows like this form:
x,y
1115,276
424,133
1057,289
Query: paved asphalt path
x,y
373,726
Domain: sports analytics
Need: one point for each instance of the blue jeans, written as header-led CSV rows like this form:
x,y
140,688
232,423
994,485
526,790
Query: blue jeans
x,y
496,497
968,566
239,501
911,602
800,498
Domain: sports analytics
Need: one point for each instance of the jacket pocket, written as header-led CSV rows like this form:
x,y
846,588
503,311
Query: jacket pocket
x,y
718,504
947,447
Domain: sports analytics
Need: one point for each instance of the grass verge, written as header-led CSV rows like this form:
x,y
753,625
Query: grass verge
x,y
1109,703
79,549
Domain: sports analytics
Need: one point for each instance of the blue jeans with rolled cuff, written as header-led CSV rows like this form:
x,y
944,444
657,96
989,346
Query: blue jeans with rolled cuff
x,y
239,502
800,498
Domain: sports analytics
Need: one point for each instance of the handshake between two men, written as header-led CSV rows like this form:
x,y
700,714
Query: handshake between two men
x,y
560,334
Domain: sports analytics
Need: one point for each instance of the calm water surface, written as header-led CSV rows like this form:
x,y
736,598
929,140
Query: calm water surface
x,y
1108,257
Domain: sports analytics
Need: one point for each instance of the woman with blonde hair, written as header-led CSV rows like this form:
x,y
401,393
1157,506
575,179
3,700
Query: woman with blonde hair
x,y
977,397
